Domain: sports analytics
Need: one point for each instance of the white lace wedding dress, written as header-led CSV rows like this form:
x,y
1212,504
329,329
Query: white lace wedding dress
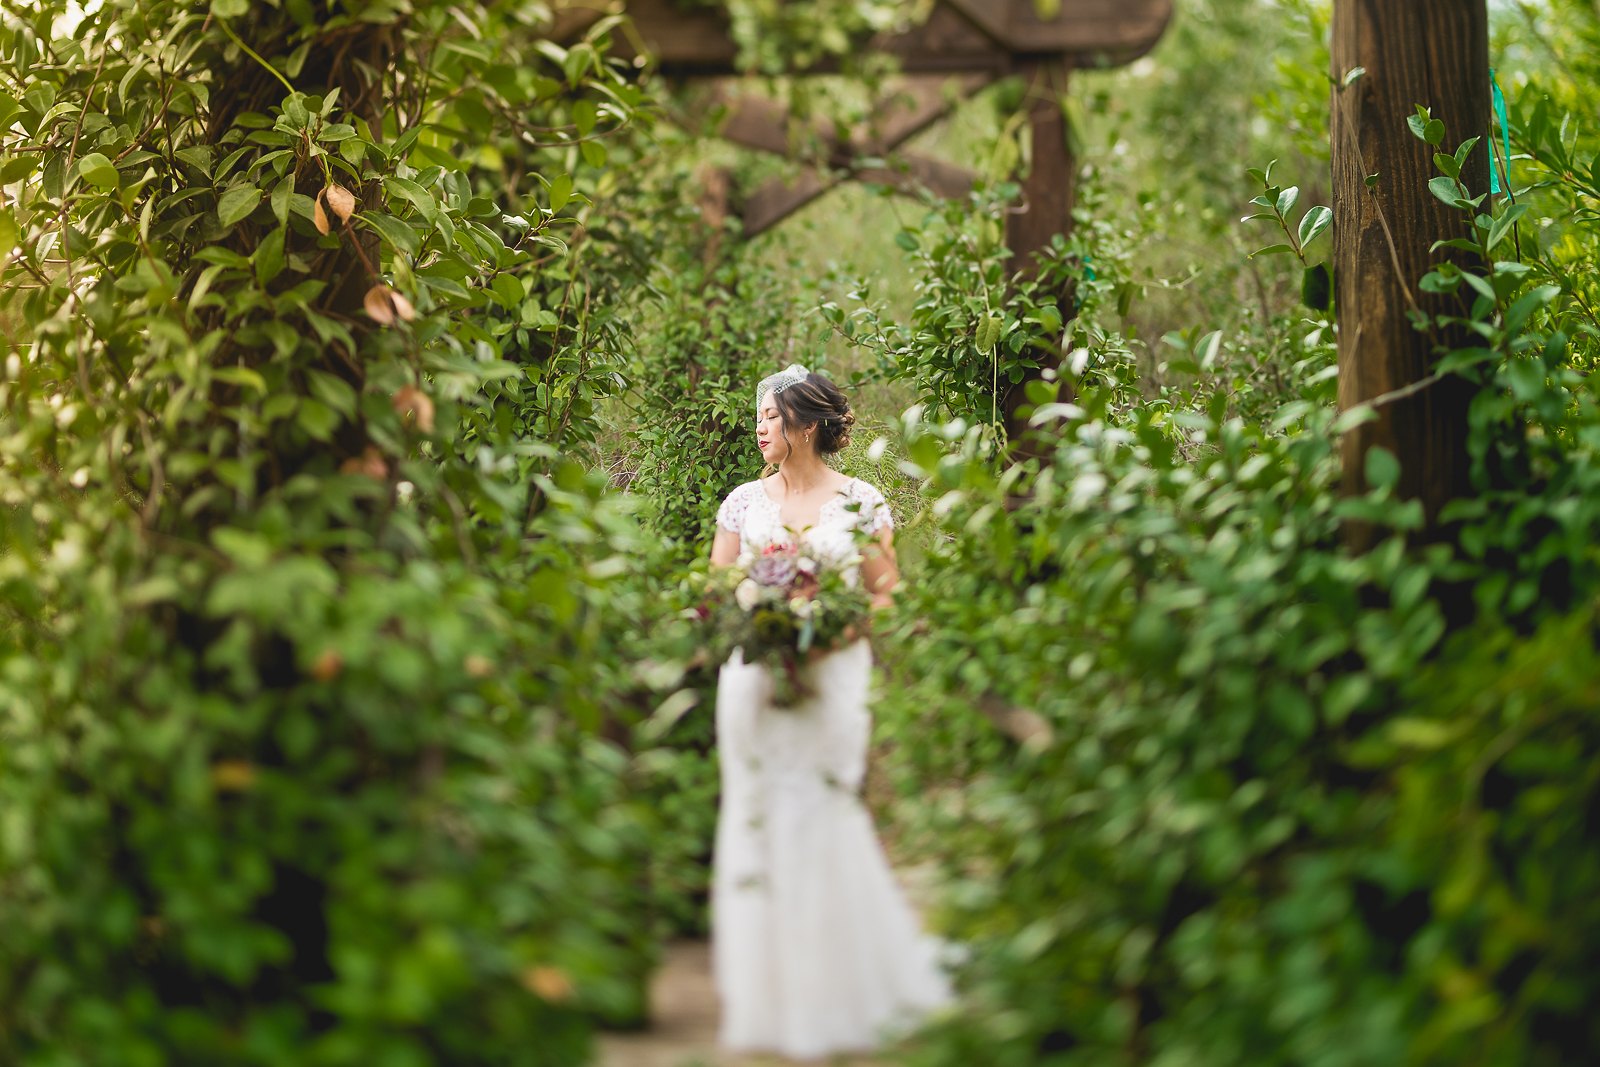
x,y
815,949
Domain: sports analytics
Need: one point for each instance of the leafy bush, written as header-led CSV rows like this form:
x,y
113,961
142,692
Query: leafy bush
x,y
713,331
1211,789
305,655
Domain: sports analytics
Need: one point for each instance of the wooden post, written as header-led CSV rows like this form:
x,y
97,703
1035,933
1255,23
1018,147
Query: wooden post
x,y
1047,197
1434,53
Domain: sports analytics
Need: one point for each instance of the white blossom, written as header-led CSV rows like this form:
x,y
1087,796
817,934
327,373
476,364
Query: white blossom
x,y
747,593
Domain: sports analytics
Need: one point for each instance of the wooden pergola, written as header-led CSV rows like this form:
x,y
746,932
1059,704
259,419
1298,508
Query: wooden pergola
x,y
962,46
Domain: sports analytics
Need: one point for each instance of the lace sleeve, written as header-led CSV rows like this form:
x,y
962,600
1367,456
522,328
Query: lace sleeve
x,y
873,517
730,516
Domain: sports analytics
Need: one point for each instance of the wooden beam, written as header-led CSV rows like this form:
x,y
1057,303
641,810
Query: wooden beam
x,y
1435,53
1047,196
913,173
993,36
910,107
905,112
778,198
1089,32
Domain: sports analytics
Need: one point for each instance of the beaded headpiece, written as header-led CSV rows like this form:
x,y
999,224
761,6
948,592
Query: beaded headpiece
x,y
793,374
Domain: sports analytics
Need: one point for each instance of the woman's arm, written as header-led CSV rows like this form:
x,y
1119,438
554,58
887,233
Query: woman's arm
x,y
724,548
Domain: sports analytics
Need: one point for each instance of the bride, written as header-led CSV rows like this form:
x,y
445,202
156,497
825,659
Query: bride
x,y
815,949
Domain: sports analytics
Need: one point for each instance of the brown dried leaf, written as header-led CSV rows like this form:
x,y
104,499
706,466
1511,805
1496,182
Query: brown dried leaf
x,y
548,983
414,407
369,463
478,666
387,305
327,666
402,306
379,304
232,775
341,200
319,218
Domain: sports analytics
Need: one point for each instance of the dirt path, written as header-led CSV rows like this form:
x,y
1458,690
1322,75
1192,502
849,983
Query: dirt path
x,y
684,1007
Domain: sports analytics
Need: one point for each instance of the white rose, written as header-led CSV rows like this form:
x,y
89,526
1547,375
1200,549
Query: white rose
x,y
806,565
800,607
746,594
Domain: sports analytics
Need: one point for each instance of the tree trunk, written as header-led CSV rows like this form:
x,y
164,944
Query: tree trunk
x,y
1435,53
1047,196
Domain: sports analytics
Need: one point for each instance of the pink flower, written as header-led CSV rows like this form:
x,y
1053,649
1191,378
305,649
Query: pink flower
x,y
773,570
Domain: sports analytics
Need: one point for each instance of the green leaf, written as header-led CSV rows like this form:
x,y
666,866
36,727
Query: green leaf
x,y
393,230
1286,200
230,9
1315,222
269,259
241,376
1464,357
1350,418
1381,468
1502,225
236,204
280,198
317,419
98,171
988,332
560,191
507,289
245,548
1316,287
585,113
1525,305
1446,189
1433,131
1344,695
333,391
415,194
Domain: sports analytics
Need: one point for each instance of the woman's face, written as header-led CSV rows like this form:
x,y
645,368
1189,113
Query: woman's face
x,y
769,432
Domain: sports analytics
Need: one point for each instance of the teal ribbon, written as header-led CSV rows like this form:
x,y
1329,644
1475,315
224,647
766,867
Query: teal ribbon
x,y
1505,134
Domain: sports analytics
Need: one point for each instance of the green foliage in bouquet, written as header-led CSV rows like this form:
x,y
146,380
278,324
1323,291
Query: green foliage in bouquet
x,y
305,680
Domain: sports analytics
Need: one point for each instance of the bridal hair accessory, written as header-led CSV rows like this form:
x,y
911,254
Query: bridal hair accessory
x,y
793,374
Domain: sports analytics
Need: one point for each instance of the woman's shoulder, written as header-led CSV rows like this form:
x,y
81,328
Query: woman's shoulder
x,y
862,489
873,507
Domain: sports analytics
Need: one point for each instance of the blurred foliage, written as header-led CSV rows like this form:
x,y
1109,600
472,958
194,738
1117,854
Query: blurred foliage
x,y
344,714
308,700
1207,787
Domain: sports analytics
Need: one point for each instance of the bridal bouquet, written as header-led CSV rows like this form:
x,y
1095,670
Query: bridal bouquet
x,y
780,606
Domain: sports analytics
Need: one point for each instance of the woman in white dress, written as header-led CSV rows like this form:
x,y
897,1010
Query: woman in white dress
x,y
815,949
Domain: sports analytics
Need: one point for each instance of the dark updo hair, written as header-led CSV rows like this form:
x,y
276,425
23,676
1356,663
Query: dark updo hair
x,y
817,401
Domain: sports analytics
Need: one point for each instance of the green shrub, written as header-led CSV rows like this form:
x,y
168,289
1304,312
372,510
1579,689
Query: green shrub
x,y
309,646
1209,788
